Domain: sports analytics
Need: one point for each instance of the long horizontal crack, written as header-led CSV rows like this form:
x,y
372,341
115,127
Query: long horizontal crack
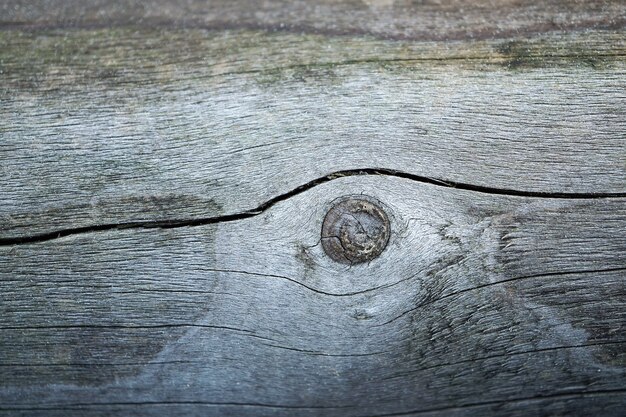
x,y
176,223
75,406
574,394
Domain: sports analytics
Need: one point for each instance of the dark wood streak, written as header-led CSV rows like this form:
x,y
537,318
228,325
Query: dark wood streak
x,y
425,36
474,21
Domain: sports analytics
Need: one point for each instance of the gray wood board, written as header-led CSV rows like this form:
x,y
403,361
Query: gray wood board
x,y
165,168
124,125
479,304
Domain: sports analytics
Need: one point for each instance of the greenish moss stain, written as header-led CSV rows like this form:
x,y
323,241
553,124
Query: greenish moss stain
x,y
123,56
297,73
540,54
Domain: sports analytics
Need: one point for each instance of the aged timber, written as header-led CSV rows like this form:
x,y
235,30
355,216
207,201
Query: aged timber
x,y
165,173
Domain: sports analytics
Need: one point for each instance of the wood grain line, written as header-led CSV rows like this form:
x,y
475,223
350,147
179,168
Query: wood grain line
x,y
295,28
504,281
75,406
507,355
150,403
572,394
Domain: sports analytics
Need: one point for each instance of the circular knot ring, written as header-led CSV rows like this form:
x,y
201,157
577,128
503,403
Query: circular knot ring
x,y
355,230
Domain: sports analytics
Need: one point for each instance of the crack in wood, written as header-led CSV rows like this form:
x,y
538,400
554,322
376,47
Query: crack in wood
x,y
504,281
507,355
77,406
564,395
165,403
177,223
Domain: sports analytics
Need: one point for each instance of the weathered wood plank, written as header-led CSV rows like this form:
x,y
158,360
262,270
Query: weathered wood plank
x,y
480,303
165,169
124,126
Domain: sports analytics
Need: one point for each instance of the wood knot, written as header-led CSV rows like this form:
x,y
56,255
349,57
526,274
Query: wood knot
x,y
355,230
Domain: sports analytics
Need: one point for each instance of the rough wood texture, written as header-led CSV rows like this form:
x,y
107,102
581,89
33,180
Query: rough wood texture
x,y
195,126
166,170
474,297
421,19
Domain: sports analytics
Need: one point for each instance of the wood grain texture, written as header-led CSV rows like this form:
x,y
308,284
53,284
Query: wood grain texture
x,y
475,297
399,19
165,169
124,126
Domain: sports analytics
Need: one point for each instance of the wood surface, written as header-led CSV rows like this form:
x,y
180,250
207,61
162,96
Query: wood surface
x,y
165,169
